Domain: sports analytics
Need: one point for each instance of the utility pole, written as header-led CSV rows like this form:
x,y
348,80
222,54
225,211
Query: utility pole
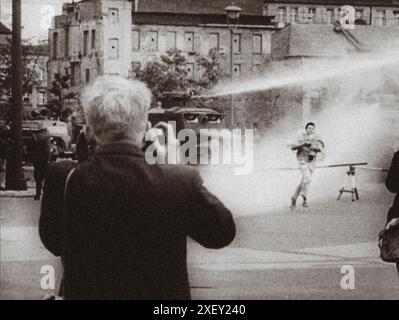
x,y
232,15
14,174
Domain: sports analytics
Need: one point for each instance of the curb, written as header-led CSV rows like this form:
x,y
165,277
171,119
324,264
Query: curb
x,y
18,194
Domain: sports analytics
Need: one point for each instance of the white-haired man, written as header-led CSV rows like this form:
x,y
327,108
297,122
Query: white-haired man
x,y
125,221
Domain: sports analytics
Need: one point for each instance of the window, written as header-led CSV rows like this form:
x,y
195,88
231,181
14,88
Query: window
x,y
55,45
294,15
135,40
380,19
75,73
113,49
312,15
153,41
87,75
93,39
281,15
396,17
330,16
189,41
41,98
236,43
41,74
236,71
85,42
214,40
113,14
190,70
359,14
171,40
66,47
257,43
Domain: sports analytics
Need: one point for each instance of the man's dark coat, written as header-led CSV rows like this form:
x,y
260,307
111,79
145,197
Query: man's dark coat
x,y
124,231
392,183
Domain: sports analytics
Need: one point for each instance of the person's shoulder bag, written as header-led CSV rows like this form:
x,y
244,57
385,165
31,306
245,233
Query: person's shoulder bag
x,y
388,241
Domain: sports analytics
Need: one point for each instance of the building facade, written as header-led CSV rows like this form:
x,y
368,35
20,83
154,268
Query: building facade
x,y
304,47
369,12
35,61
94,38
5,34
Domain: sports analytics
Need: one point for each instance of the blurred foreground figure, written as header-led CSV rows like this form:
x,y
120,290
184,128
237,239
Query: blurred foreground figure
x,y
392,184
125,224
308,145
40,158
4,133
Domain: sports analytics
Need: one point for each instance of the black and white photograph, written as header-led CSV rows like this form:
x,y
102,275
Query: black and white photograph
x,y
215,151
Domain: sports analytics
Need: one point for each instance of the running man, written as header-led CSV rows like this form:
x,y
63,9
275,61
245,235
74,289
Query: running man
x,y
308,147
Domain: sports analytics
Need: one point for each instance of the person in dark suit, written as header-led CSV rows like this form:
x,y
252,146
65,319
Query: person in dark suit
x,y
40,158
4,135
126,222
392,184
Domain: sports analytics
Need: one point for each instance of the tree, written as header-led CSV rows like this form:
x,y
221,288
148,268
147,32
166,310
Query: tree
x,y
30,73
59,93
169,73
211,71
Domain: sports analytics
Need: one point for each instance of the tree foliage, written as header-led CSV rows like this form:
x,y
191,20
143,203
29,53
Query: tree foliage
x,y
169,73
59,91
211,71
30,74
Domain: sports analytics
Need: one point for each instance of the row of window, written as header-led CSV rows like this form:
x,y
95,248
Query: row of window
x,y
152,41
190,67
86,42
380,18
291,14
89,41
41,98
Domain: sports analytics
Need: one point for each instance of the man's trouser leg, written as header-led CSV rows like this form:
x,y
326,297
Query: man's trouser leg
x,y
2,173
307,175
39,174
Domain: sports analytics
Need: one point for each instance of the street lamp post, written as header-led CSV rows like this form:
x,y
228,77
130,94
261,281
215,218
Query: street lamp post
x,y
14,174
232,15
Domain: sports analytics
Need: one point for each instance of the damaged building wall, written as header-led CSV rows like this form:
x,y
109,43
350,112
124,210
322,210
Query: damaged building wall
x,y
252,51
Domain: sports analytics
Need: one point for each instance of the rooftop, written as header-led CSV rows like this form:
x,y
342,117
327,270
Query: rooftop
x,y
250,7
181,19
4,29
383,3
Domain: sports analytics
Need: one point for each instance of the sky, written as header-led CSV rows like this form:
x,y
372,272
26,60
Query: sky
x,y
36,16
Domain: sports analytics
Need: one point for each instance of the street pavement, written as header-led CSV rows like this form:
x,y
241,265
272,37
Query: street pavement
x,y
277,254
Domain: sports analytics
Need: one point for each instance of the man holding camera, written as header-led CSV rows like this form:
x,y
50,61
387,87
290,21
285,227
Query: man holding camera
x,y
125,224
308,146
